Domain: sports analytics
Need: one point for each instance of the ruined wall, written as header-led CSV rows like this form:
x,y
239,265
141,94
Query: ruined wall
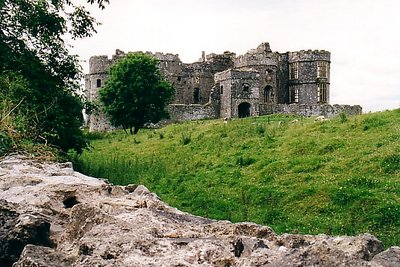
x,y
283,80
310,110
224,84
244,89
181,112
99,122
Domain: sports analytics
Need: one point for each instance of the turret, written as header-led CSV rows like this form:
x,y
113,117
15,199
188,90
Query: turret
x,y
309,77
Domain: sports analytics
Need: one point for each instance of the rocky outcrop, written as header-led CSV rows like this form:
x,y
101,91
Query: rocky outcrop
x,y
53,216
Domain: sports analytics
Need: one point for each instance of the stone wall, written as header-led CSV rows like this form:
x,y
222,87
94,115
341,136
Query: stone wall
x,y
181,112
99,122
310,110
309,55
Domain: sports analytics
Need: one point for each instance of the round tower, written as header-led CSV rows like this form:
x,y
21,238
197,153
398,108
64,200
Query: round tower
x,y
309,77
94,80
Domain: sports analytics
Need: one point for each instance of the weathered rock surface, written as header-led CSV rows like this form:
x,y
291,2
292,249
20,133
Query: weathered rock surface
x,y
53,216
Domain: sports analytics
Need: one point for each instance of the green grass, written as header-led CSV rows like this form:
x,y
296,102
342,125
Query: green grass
x,y
339,177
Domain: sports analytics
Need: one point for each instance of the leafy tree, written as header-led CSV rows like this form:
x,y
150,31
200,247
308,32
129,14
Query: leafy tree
x,y
33,48
135,92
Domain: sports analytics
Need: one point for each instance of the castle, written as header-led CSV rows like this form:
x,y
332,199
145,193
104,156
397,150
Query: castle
x,y
259,82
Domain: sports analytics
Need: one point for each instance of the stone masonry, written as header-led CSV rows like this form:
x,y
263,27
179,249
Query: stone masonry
x,y
260,82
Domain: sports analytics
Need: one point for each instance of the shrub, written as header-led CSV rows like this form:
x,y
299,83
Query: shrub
x,y
244,161
343,117
186,138
5,143
373,122
260,129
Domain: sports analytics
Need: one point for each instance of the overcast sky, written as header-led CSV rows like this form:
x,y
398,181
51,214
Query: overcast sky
x,y
363,37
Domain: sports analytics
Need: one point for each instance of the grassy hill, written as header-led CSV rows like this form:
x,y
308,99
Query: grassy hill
x,y
338,177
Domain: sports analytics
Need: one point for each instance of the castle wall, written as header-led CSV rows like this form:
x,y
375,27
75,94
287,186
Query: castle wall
x,y
181,112
267,63
282,96
91,84
309,55
99,122
224,85
238,86
99,64
239,94
310,110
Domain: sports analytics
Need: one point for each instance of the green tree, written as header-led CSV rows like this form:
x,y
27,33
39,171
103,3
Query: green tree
x,y
33,48
135,92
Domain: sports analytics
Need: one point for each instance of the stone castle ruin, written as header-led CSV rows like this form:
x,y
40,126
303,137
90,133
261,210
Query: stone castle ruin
x,y
260,82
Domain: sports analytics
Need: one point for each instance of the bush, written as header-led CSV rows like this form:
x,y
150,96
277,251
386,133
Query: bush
x,y
5,143
343,117
260,129
373,122
244,161
186,138
41,114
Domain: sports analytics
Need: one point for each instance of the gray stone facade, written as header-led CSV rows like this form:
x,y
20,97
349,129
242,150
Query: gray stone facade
x,y
259,82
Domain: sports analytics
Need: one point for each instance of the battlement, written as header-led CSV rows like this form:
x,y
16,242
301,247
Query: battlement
x,y
165,56
257,59
226,56
309,55
99,64
232,74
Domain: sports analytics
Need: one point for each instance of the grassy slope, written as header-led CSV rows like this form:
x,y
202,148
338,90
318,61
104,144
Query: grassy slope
x,y
334,177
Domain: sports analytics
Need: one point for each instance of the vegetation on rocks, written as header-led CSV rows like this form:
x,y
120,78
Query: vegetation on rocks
x,y
338,177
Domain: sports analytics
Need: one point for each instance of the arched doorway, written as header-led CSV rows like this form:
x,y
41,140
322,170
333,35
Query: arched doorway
x,y
244,110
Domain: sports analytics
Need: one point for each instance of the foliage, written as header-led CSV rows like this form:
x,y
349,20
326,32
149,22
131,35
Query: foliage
x,y
186,138
10,123
333,178
343,117
39,78
135,92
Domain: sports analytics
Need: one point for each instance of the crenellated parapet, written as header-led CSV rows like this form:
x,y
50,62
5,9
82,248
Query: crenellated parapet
x,y
99,64
262,56
309,55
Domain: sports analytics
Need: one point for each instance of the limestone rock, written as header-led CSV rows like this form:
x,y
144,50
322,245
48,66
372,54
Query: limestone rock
x,y
53,216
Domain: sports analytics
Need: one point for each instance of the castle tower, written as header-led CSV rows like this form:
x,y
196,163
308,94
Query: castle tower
x,y
267,63
94,80
309,77
239,92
